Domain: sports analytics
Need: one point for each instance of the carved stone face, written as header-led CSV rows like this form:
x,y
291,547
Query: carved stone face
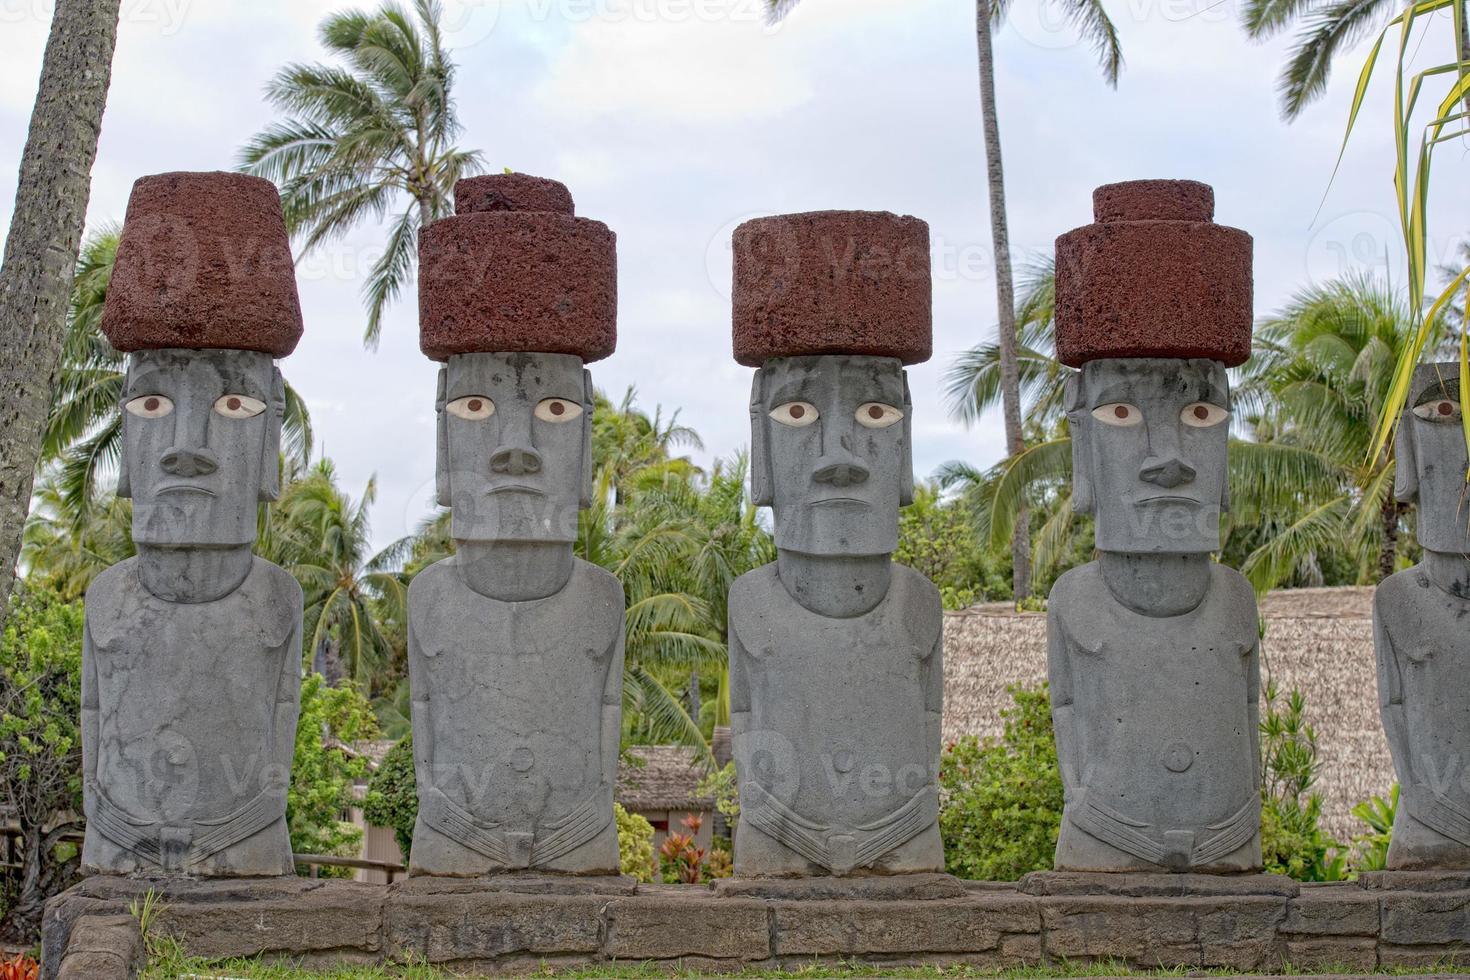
x,y
1149,444
1431,459
201,437
515,436
830,451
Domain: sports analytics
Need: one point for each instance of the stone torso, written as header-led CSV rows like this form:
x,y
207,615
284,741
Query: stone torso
x,y
1423,638
510,702
1161,719
837,712
193,702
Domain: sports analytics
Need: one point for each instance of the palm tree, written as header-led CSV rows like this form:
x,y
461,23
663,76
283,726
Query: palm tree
x,y
1325,31
42,245
1098,30
83,437
322,537
64,554
359,139
631,441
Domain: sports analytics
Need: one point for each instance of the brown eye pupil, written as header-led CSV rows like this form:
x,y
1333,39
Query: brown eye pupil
x,y
475,405
1445,408
874,412
1120,412
557,408
1201,413
797,411
151,404
234,404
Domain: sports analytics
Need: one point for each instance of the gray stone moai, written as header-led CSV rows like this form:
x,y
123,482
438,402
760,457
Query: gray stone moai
x,y
836,674
191,672
515,646
1153,649
1419,629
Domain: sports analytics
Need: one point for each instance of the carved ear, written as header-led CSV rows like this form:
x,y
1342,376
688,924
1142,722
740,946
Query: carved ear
x,y
1078,421
441,442
270,463
124,485
587,403
1406,462
760,452
906,465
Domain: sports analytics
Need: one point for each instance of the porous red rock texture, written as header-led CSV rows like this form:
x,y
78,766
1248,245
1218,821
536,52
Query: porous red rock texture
x,y
517,273
204,262
832,282
511,192
1154,276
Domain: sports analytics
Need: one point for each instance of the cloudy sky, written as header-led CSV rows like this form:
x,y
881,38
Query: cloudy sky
x,y
674,120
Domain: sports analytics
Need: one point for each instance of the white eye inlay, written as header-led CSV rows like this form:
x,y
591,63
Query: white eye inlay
x,y
1202,415
876,415
1439,410
239,406
150,406
471,408
557,410
1118,413
795,414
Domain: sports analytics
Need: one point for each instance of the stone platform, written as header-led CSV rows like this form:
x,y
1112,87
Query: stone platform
x,y
1257,923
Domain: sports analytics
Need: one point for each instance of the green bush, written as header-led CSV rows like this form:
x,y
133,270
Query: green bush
x,y
1371,851
1001,799
325,769
635,845
723,787
1292,842
392,797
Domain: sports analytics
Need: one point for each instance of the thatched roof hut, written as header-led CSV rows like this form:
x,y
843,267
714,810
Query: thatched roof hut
x,y
1317,640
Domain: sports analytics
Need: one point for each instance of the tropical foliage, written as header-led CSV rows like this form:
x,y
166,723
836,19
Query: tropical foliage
x,y
371,137
325,769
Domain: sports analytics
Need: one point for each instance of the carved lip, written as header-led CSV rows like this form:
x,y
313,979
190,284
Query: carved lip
x,y
515,488
1167,498
839,500
183,488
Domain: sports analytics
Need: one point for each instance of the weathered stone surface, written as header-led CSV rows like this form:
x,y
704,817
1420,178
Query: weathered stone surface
x,y
526,883
1153,649
884,929
1420,638
1415,881
670,926
832,282
507,281
1332,910
446,928
1237,932
1144,885
204,261
1154,277
834,785
511,192
191,659
1411,919
515,646
1331,953
103,948
1420,957
870,888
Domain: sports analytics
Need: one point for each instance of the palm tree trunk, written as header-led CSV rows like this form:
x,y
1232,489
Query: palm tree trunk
x,y
1005,291
41,250
694,699
1388,553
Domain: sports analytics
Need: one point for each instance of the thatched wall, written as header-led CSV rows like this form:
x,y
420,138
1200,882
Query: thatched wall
x,y
1318,640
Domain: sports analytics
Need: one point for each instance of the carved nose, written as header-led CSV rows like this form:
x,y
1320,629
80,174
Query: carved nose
x,y
842,474
516,462
1167,473
189,462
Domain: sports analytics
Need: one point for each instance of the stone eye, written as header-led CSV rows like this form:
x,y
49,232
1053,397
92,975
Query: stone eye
x,y
471,408
795,414
150,406
239,406
1439,410
876,415
558,410
1118,413
1202,415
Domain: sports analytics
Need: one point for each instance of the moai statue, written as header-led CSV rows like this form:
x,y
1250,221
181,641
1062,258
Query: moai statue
x,y
836,677
515,646
1419,629
1153,648
191,661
